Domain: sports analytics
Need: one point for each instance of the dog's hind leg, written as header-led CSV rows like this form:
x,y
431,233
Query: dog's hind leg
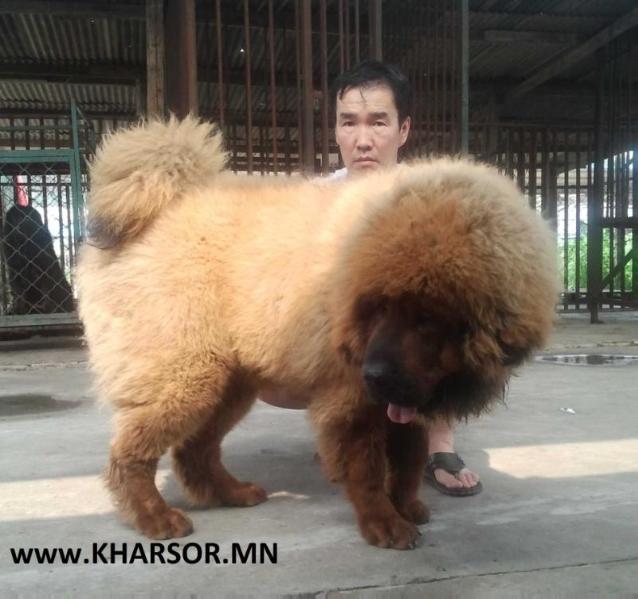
x,y
140,440
162,411
406,450
197,461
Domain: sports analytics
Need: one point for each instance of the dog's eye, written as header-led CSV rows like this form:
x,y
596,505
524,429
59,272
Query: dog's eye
x,y
513,356
369,306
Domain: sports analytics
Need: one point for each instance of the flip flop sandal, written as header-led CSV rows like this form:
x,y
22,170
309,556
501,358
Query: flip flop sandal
x,y
452,463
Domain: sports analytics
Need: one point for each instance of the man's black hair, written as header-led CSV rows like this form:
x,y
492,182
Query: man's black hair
x,y
372,72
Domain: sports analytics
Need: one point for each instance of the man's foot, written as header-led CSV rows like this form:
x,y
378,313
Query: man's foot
x,y
447,472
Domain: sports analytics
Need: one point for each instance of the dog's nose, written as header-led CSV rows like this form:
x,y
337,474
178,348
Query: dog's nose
x,y
378,375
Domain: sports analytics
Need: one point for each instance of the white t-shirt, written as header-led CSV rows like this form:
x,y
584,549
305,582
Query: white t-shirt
x,y
342,173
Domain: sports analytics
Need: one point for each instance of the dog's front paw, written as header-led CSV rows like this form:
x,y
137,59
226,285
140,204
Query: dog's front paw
x,y
167,524
415,511
389,531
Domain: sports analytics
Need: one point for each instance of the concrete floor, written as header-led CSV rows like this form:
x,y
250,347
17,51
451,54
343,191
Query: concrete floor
x,y
558,515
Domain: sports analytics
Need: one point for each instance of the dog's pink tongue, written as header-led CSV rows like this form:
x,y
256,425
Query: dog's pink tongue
x,y
400,414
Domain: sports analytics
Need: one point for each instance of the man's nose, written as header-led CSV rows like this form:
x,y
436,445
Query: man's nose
x,y
364,138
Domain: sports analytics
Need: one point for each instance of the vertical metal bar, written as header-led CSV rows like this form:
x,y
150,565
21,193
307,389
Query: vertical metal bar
x,y
435,79
634,231
590,198
249,96
4,293
181,62
465,72
61,233
611,168
298,42
509,158
44,198
626,127
287,142
634,176
375,28
357,32
553,182
308,104
425,19
544,173
595,203
342,41
235,154
262,152
498,147
416,76
532,169
73,242
520,166
622,187
444,79
76,174
566,216
577,239
220,63
325,127
347,33
273,87
455,131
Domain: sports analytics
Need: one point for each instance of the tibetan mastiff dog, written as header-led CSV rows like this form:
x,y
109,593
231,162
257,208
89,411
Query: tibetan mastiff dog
x,y
387,299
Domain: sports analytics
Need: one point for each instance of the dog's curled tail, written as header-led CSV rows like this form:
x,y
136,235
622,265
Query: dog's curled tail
x,y
137,172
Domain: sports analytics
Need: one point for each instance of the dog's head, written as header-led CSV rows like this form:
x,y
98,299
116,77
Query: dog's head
x,y
417,356
448,288
427,359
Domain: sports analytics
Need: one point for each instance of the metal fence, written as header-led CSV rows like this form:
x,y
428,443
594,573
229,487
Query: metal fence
x,y
266,70
264,74
41,218
584,180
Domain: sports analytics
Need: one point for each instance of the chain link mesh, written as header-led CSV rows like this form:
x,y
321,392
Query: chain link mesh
x,y
37,242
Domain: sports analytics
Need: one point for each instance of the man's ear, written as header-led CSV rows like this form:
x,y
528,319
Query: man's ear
x,y
405,130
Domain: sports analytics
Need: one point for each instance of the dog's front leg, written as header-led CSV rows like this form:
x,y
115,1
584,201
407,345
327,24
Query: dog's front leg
x,y
406,451
353,451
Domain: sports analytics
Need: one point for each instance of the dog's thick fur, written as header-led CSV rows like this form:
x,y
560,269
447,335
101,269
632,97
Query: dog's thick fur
x,y
412,289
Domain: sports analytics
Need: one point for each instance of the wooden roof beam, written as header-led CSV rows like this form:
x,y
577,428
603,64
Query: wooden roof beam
x,y
575,55
514,36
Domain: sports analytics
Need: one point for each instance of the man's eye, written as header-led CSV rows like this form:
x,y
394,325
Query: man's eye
x,y
347,124
380,123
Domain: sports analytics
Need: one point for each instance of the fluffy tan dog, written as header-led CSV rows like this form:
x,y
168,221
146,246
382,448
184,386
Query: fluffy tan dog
x,y
388,299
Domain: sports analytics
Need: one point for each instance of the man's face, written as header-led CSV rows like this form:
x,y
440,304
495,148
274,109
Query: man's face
x,y
368,131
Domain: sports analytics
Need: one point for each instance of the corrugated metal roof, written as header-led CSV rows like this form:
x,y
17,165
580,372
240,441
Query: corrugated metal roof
x,y
76,41
54,97
54,39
